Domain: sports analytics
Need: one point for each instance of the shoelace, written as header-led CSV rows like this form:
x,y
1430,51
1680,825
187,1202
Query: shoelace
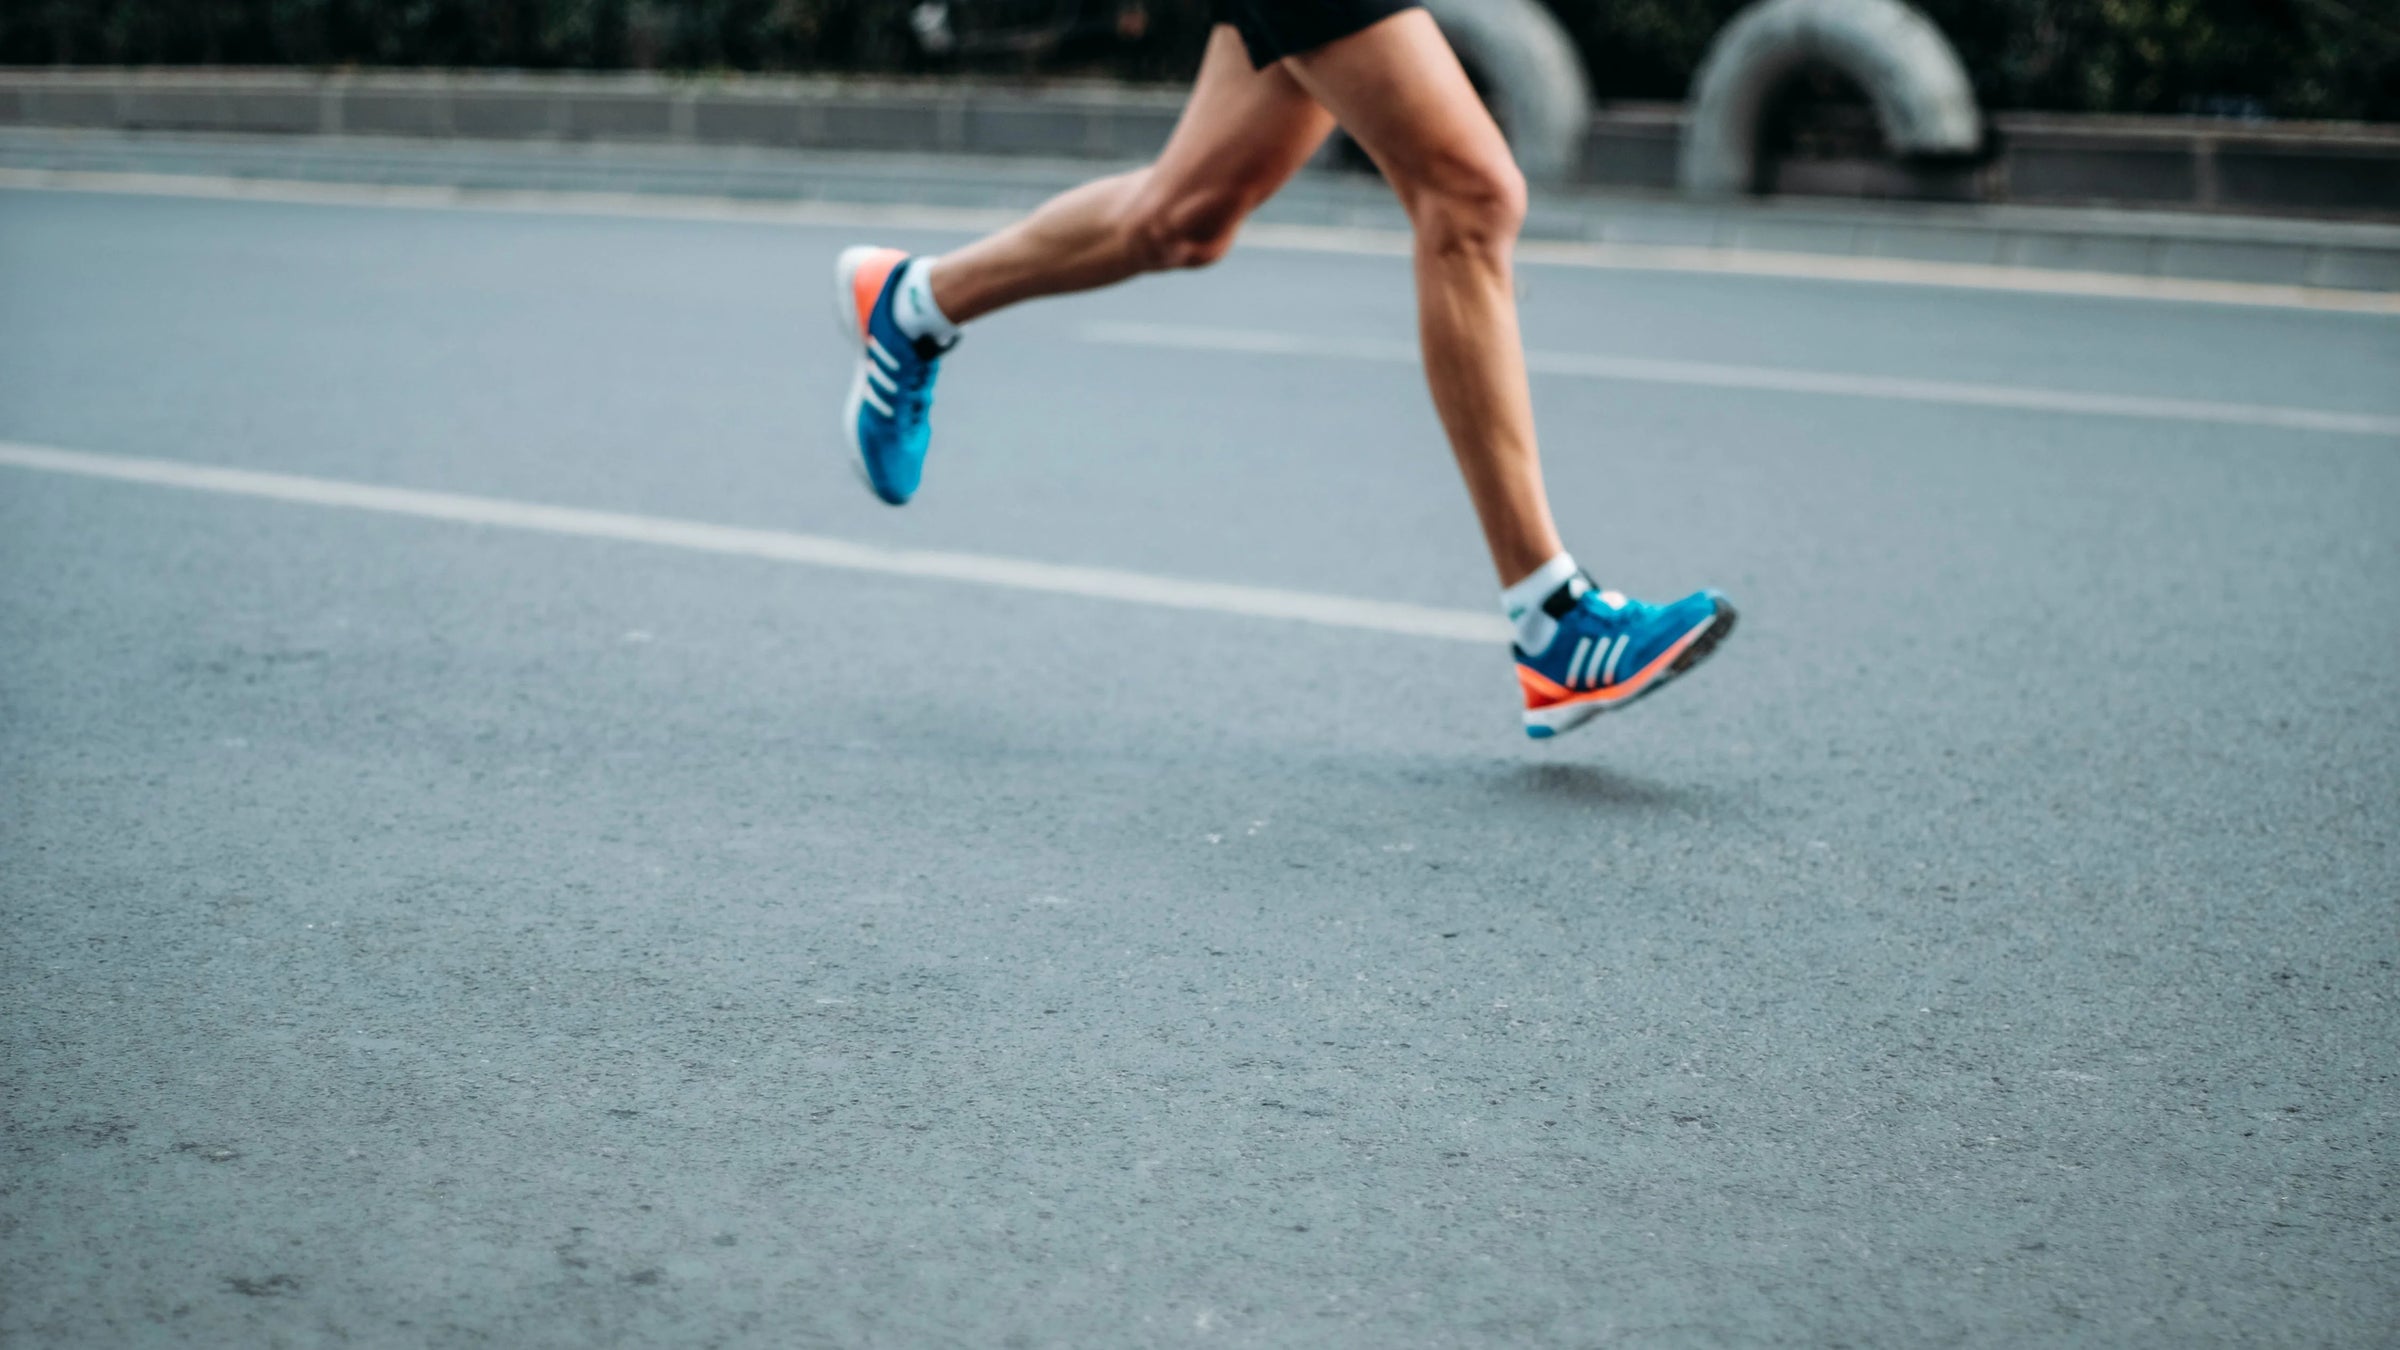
x,y
1610,605
910,400
911,386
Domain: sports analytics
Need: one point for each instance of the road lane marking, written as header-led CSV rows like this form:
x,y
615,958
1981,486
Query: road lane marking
x,y
1181,337
811,550
1350,239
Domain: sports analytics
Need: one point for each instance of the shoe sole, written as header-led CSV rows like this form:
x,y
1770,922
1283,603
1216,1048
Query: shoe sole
x,y
1542,724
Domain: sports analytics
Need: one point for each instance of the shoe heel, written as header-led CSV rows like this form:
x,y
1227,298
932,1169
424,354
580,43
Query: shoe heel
x,y
845,276
877,263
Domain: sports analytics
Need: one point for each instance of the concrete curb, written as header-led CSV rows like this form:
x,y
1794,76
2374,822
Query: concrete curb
x,y
2336,169
2322,254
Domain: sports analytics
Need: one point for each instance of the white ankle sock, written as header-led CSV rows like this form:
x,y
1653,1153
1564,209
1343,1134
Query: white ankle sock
x,y
913,308
1523,603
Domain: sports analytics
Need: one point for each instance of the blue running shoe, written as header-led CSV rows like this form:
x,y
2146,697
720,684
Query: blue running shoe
x,y
1609,651
889,414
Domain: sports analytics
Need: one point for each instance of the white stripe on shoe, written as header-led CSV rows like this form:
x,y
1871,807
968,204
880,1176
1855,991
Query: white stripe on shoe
x,y
1583,648
881,353
1608,675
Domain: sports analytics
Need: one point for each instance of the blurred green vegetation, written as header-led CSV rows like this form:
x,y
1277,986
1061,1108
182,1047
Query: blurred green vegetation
x,y
2281,58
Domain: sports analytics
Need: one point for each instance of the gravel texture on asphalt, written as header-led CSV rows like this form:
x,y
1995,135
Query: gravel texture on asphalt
x,y
420,934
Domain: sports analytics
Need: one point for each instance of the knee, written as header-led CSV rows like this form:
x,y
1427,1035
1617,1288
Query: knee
x,y
1473,206
1188,227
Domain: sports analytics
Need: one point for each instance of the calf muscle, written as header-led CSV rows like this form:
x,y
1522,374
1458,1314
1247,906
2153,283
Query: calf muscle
x,y
1242,136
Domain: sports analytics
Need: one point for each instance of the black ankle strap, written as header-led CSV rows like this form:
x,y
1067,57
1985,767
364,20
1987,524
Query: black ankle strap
x,y
1562,601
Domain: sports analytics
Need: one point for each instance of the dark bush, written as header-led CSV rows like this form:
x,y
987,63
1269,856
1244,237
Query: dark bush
x,y
2285,58
532,34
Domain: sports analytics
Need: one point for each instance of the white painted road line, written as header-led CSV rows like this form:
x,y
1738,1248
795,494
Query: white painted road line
x,y
1738,262
1881,271
1100,583
1642,371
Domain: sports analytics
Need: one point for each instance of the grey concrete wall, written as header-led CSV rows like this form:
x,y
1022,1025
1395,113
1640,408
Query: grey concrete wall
x,y
2185,163
2327,169
948,117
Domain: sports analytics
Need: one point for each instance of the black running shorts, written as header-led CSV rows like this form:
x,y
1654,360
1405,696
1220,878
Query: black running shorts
x,y
1275,29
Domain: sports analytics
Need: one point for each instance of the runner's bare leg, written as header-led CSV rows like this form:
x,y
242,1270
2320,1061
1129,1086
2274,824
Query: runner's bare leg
x,y
1400,91
1243,134
1397,88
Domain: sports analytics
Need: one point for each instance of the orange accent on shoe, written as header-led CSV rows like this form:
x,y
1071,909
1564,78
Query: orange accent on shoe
x,y
1540,690
866,284
1543,692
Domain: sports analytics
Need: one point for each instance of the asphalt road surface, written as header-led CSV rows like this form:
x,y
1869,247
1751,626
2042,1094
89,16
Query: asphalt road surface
x,y
432,933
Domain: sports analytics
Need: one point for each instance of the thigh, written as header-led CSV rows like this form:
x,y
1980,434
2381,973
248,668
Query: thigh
x,y
1400,92
1244,132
